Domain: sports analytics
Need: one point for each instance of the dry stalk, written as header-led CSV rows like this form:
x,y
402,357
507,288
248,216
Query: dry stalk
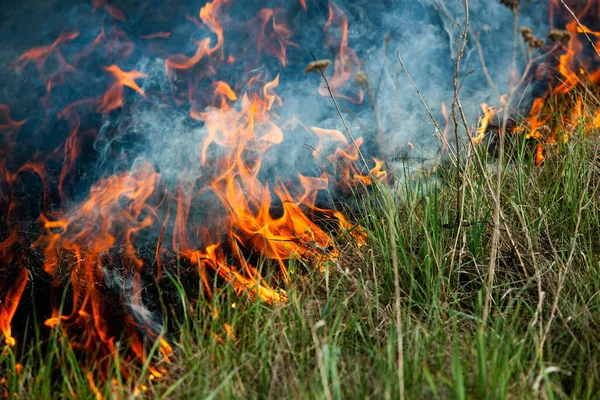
x,y
495,196
437,125
458,105
400,345
488,184
460,189
480,166
538,275
498,188
337,107
461,44
459,54
486,72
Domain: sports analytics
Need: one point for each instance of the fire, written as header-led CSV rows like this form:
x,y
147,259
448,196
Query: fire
x,y
446,127
39,55
223,215
110,9
110,222
569,106
13,290
488,114
545,122
346,63
277,40
113,98
111,219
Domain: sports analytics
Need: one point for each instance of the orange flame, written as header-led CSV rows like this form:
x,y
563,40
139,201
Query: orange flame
x,y
11,293
104,218
446,127
40,55
110,9
91,247
346,63
560,112
9,129
113,98
488,114
277,40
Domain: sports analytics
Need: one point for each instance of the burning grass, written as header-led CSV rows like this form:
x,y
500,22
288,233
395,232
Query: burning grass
x,y
475,278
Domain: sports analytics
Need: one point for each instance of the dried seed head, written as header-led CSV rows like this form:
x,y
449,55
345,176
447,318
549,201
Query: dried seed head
x,y
317,65
559,35
537,44
529,38
362,78
512,4
526,31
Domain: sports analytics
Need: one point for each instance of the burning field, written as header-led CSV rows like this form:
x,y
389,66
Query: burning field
x,y
236,197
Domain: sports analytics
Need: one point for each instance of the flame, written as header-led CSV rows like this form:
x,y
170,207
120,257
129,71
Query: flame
x,y
11,293
113,98
157,35
39,57
549,124
110,9
488,114
93,239
276,41
10,130
446,127
113,216
346,63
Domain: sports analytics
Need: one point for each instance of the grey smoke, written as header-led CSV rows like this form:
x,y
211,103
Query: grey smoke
x,y
419,30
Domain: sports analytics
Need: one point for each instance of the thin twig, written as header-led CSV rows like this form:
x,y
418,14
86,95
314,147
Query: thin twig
x,y
459,54
337,107
486,72
496,213
437,125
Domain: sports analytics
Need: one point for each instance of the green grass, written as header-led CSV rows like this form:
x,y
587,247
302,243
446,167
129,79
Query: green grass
x,y
337,335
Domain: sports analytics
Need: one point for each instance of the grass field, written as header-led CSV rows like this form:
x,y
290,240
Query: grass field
x,y
419,278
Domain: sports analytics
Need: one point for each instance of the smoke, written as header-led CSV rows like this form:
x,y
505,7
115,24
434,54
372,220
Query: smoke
x,y
426,38
420,30
423,33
